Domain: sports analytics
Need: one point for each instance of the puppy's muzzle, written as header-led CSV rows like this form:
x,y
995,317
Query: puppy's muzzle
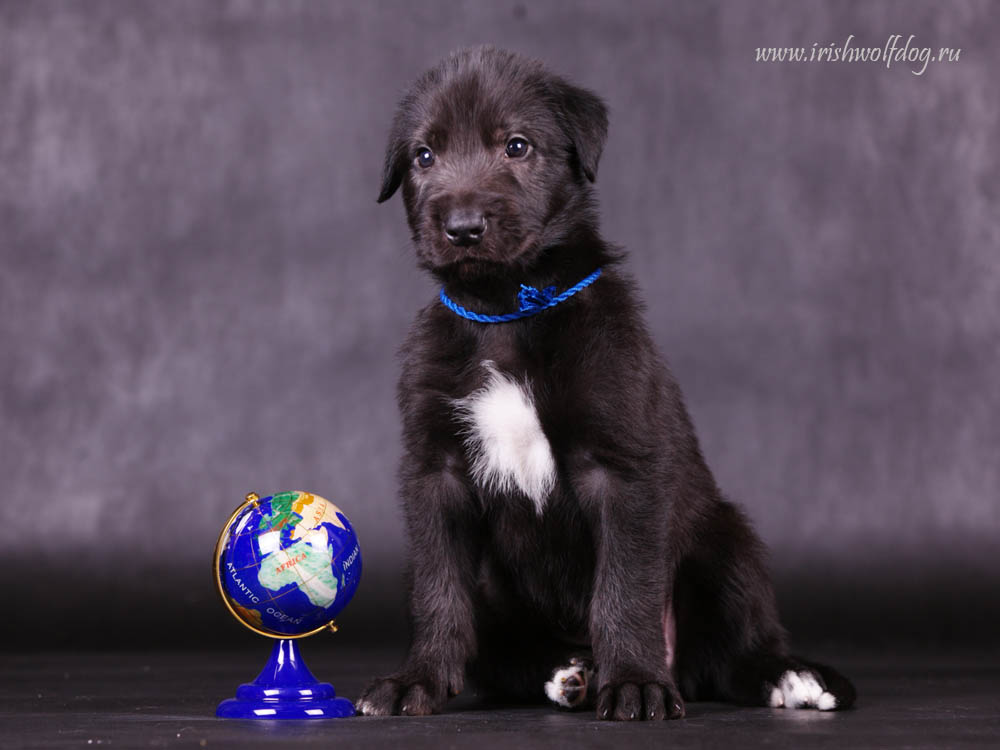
x,y
465,226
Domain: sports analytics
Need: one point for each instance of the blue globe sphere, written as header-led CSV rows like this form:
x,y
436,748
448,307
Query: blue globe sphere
x,y
287,564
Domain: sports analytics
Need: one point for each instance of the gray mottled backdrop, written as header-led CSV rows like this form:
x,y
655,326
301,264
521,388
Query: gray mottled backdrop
x,y
199,296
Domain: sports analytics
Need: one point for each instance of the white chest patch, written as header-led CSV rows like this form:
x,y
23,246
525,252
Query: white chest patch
x,y
504,438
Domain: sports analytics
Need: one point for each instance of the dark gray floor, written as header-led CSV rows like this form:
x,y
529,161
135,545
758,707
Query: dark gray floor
x,y
917,699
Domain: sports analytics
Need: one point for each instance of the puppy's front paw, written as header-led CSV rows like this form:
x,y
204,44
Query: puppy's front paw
x,y
634,701
399,695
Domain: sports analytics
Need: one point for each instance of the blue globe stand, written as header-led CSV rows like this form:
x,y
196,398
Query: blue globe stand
x,y
285,689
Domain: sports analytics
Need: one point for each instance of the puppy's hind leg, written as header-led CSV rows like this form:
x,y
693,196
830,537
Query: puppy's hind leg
x,y
781,681
573,685
837,685
523,664
731,645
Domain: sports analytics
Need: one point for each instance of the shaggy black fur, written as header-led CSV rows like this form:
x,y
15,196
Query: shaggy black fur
x,y
637,555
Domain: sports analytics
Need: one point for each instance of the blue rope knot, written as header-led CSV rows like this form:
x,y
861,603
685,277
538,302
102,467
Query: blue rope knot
x,y
533,300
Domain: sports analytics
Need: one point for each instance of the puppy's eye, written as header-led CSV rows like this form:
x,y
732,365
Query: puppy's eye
x,y
516,147
425,157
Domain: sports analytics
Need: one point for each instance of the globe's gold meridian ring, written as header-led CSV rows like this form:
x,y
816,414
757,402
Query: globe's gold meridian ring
x,y
251,500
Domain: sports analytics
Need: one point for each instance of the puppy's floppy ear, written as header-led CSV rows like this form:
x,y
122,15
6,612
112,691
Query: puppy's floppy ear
x,y
585,118
396,157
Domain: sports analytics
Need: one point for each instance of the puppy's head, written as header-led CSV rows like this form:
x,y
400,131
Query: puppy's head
x,y
495,156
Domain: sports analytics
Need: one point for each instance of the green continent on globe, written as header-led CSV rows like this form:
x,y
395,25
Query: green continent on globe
x,y
281,513
308,563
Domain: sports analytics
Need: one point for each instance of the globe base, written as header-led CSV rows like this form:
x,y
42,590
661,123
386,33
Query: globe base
x,y
285,689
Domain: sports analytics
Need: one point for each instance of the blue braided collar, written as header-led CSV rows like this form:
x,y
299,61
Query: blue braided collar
x,y
531,301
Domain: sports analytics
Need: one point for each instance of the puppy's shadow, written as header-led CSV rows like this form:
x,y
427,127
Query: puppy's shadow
x,y
470,702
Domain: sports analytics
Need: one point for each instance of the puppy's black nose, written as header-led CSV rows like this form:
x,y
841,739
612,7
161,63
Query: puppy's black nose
x,y
465,226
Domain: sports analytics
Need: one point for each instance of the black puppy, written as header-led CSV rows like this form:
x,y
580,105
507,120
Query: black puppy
x,y
567,538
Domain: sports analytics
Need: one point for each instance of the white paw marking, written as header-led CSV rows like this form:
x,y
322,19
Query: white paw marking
x,y
573,675
366,709
826,702
506,444
801,690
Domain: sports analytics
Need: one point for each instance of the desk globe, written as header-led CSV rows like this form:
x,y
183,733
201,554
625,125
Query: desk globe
x,y
285,566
